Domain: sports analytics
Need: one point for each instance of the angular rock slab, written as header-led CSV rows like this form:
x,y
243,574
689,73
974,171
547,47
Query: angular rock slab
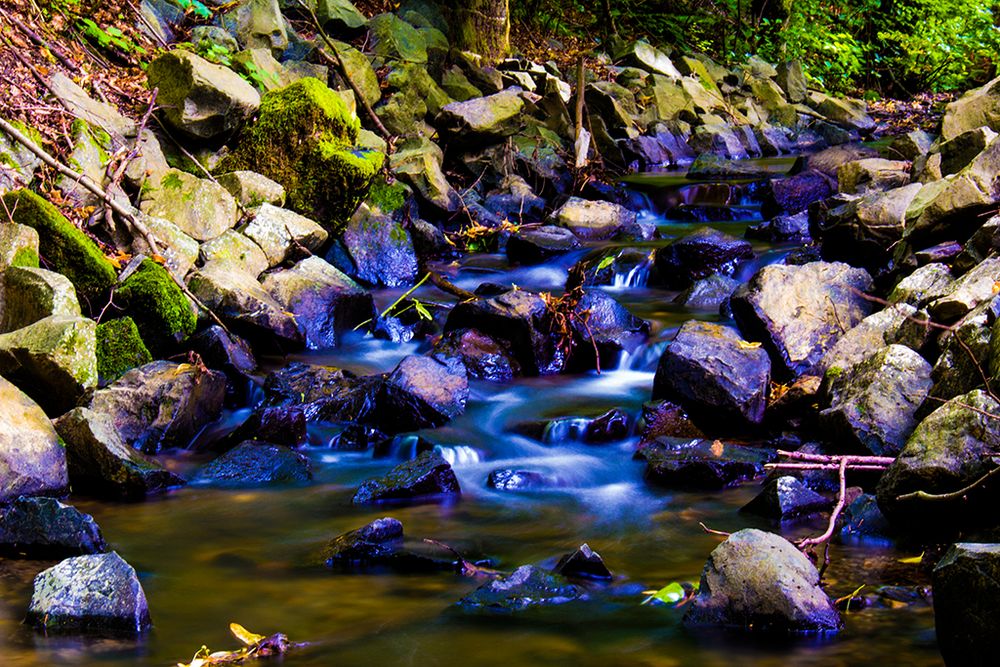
x,y
759,582
46,528
256,464
714,374
98,594
32,462
799,312
966,596
428,476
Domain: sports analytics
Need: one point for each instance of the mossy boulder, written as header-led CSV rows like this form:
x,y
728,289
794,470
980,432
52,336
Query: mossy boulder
x,y
305,139
17,163
119,349
159,308
65,249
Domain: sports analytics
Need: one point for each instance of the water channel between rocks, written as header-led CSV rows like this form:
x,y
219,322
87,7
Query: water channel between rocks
x,y
208,557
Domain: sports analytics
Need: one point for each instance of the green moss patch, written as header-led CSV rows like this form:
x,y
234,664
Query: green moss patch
x,y
64,248
387,198
25,257
119,349
305,140
161,312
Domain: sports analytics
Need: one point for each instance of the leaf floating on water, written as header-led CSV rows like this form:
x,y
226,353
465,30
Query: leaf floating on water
x,y
248,638
255,646
915,560
674,594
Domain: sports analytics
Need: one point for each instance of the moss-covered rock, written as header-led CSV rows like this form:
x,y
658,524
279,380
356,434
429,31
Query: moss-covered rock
x,y
64,248
305,139
119,349
160,310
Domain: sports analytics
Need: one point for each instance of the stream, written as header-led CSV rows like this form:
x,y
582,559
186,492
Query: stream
x,y
208,557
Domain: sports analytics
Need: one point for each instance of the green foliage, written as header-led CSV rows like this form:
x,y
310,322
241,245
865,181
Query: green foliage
x,y
110,38
194,7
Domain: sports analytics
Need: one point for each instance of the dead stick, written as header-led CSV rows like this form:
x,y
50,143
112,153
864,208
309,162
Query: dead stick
x,y
820,466
41,41
841,502
953,495
825,458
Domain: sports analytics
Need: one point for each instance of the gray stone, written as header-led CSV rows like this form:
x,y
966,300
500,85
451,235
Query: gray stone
x,y
862,176
252,189
259,24
966,594
18,245
339,14
964,352
972,289
979,107
201,98
178,249
32,461
426,477
231,246
593,220
759,582
44,528
958,152
95,593
483,120
893,324
928,283
911,145
714,374
381,249
644,55
161,404
87,109
846,112
873,404
17,163
201,208
395,39
28,295
53,359
101,463
799,312
278,231
417,163
792,80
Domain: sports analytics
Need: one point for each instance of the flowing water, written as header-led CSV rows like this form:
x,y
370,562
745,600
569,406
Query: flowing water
x,y
207,557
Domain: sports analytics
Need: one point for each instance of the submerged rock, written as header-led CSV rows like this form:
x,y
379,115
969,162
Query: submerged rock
x,y
427,477
528,586
374,544
95,594
966,594
32,461
509,479
45,528
759,582
254,464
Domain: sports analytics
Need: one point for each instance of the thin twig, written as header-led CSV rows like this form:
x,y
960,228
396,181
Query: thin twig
x,y
953,495
841,503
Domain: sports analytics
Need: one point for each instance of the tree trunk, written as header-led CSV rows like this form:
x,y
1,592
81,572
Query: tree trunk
x,y
483,27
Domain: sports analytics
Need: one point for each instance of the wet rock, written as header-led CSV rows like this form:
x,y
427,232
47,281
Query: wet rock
x,y
299,383
32,462
676,463
604,323
483,357
799,312
280,233
966,592
89,594
527,587
977,108
374,544
950,449
426,478
592,220
863,520
535,246
162,404
928,283
714,374
509,479
231,246
483,120
612,426
786,498
699,255
584,563
201,208
711,294
381,249
325,302
278,425
757,581
201,98
663,418
793,194
246,307
520,319
101,464
227,353
54,360
894,324
710,165
782,229
972,289
44,528
253,464
422,392
870,174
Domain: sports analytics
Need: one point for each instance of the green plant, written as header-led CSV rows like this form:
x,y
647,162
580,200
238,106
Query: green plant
x,y
110,39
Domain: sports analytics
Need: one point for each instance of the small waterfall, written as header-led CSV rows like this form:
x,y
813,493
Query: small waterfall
x,y
643,358
565,429
637,276
459,455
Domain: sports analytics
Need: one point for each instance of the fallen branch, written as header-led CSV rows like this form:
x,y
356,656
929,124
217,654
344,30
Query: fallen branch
x,y
810,542
953,495
851,459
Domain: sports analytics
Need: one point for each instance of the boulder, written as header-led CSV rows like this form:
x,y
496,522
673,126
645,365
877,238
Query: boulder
x,y
417,162
374,544
160,310
759,582
482,120
965,294
799,312
32,461
525,588
234,247
964,354
54,360
65,248
782,229
714,374
979,107
97,593
928,283
162,404
848,113
382,250
281,233
958,152
201,208
601,322
427,477
258,24
786,498
119,349
89,110
484,358
966,591
253,464
911,145
305,139
324,301
540,244
584,563
395,39
794,193
646,56
423,392
44,528
700,465
359,68
30,294
203,99
863,520
101,464
710,294
894,324
593,220
872,174
237,297
950,449
251,189
873,404
703,253
792,80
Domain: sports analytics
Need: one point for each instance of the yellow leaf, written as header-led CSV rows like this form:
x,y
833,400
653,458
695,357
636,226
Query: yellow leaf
x,y
912,561
749,346
244,635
